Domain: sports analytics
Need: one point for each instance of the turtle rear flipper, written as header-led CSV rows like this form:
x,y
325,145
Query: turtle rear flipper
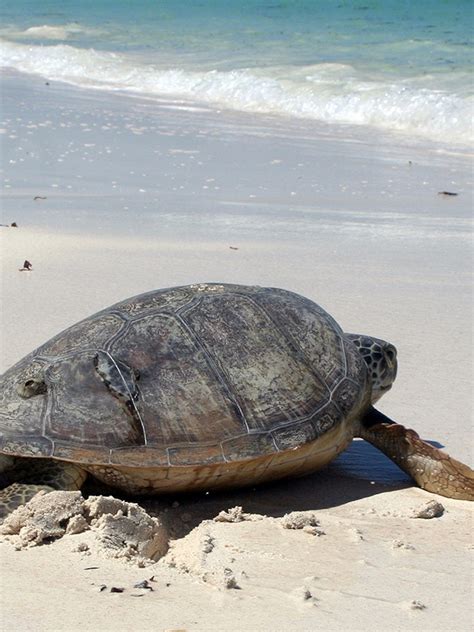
x,y
431,468
47,475
18,494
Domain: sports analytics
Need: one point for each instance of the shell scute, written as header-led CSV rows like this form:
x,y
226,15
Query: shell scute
x,y
347,396
326,419
356,369
140,456
195,455
269,382
181,399
295,435
33,446
248,446
314,333
171,299
82,410
80,453
94,333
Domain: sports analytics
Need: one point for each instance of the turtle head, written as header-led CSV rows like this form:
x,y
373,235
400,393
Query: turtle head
x,y
381,360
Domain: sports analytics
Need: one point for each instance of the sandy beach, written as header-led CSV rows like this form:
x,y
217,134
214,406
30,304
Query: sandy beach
x,y
116,195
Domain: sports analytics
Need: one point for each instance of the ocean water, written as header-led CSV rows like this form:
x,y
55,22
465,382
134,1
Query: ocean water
x,y
393,64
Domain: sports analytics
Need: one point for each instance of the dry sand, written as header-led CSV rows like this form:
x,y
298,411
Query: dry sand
x,y
154,196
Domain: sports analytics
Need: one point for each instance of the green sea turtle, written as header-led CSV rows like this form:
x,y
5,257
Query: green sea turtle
x,y
201,387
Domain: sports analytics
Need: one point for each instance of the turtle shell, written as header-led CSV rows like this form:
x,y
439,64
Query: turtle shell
x,y
193,375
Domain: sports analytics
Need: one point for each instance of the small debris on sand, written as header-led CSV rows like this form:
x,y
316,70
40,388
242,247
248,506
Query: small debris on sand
x,y
431,509
236,514
299,520
313,530
229,580
208,544
233,247
356,535
39,197
144,584
27,265
303,594
82,547
447,193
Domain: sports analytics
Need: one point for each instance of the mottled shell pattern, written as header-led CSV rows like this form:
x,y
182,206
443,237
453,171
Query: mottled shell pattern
x,y
193,375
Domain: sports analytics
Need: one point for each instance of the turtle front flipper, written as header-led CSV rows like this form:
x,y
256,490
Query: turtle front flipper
x,y
34,475
431,468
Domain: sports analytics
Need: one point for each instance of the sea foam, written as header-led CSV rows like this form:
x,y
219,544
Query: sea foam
x,y
56,32
334,93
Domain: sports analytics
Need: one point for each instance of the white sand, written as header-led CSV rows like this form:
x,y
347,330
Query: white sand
x,y
141,197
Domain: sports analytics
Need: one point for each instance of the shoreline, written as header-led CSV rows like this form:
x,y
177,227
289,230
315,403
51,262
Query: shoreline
x,y
102,163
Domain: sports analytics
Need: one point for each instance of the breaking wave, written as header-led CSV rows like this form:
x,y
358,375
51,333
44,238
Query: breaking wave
x,y
334,93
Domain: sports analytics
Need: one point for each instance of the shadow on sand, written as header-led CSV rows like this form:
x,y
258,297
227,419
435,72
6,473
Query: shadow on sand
x,y
360,472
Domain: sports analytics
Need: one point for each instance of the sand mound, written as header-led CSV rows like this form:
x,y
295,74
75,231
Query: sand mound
x,y
203,553
208,552
119,529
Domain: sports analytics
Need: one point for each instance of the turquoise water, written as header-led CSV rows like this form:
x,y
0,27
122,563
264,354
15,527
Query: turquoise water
x,y
398,65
